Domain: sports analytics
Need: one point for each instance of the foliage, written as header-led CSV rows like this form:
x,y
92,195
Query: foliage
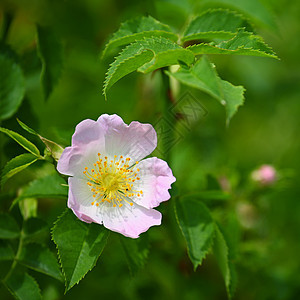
x,y
227,233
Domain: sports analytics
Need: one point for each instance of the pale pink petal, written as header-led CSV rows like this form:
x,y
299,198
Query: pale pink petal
x,y
130,221
74,159
86,132
127,220
135,140
155,180
80,199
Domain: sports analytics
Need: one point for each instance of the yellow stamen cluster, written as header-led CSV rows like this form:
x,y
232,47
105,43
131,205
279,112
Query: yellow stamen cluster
x,y
112,180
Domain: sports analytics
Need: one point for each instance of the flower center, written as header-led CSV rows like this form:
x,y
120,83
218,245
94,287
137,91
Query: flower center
x,y
112,180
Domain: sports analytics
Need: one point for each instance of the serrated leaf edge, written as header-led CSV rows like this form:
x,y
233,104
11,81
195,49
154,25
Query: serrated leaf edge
x,y
239,48
36,269
110,73
67,288
143,48
209,248
136,36
234,12
33,279
220,88
228,261
56,246
237,106
113,40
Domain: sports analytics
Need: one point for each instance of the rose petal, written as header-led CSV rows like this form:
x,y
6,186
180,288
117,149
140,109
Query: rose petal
x,y
80,199
74,159
135,140
127,220
130,221
155,179
86,132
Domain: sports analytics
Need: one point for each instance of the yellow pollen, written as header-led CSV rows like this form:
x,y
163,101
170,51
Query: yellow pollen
x,y
111,183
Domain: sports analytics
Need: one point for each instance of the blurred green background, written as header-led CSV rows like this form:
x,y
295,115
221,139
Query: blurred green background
x,y
266,221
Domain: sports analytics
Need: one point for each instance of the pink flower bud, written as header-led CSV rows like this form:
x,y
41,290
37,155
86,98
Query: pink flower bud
x,y
265,175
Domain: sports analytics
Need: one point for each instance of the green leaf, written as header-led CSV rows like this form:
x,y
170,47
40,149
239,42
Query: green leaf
x,y
6,252
233,97
136,251
23,286
27,128
203,76
145,56
22,141
12,84
35,230
197,226
50,186
221,252
40,259
243,43
50,50
9,228
129,60
215,24
79,245
255,9
138,29
55,149
17,165
166,53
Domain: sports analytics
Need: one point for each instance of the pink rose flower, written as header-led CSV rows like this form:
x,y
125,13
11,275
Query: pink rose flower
x,y
111,183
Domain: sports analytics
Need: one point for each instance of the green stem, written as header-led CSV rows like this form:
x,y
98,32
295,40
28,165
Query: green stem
x,y
14,263
7,20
